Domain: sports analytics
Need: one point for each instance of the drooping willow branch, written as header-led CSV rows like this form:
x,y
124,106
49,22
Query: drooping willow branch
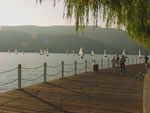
x,y
132,15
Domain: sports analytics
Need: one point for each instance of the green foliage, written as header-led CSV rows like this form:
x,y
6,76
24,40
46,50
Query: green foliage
x,y
132,15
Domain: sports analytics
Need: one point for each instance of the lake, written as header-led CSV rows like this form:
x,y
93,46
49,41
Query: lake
x,y
32,67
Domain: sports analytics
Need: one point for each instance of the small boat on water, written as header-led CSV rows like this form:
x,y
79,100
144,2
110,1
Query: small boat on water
x,y
23,52
41,52
16,51
9,51
105,55
73,52
92,53
46,52
67,51
81,53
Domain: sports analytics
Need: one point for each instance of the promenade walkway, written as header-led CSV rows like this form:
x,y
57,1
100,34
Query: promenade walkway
x,y
101,92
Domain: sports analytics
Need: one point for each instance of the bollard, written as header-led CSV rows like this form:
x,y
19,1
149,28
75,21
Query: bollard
x,y
85,65
45,73
102,63
108,63
19,76
62,69
75,67
128,61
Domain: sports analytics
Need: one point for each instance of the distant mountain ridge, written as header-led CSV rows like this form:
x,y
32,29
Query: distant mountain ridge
x,y
62,38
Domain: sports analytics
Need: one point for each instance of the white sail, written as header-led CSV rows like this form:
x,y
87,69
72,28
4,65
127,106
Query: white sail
x,y
16,51
8,51
81,53
41,52
92,53
73,52
105,55
140,53
67,51
46,52
124,52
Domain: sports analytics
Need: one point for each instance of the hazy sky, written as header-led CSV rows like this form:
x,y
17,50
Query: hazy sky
x,y
27,12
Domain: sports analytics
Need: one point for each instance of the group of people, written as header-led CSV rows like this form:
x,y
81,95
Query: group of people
x,y
119,62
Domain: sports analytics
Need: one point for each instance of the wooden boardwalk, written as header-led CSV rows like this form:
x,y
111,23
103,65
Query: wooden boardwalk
x,y
101,92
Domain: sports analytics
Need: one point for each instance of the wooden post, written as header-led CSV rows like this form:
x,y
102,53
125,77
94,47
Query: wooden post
x,y
45,73
128,61
19,76
132,61
108,63
62,69
102,63
136,60
75,67
85,65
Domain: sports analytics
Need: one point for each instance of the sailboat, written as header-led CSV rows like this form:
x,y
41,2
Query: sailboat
x,y
124,52
8,51
73,52
140,56
23,52
46,52
16,51
92,53
81,53
67,51
105,55
41,52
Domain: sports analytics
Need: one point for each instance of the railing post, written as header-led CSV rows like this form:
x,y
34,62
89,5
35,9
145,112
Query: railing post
x,y
107,62
102,63
45,73
128,61
19,76
136,60
62,69
132,61
85,65
75,67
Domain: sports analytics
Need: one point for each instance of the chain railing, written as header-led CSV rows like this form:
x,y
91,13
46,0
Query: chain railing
x,y
7,84
45,72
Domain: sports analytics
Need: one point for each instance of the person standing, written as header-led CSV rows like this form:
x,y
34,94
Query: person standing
x,y
117,60
146,61
122,63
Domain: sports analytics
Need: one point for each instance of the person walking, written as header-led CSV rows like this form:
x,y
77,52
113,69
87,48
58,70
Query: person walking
x,y
117,60
122,63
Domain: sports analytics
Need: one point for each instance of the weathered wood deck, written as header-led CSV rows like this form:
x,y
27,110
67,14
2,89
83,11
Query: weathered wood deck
x,y
101,92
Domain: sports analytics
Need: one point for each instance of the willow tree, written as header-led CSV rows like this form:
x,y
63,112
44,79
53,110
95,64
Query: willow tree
x,y
131,15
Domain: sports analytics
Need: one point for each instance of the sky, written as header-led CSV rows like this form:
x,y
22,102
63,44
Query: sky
x,y
28,12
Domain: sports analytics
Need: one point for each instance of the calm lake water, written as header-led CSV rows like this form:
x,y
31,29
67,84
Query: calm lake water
x,y
32,67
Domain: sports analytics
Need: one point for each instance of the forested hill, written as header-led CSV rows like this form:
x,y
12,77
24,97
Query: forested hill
x,y
62,38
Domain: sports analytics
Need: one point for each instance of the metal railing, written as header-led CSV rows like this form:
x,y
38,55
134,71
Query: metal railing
x,y
47,71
